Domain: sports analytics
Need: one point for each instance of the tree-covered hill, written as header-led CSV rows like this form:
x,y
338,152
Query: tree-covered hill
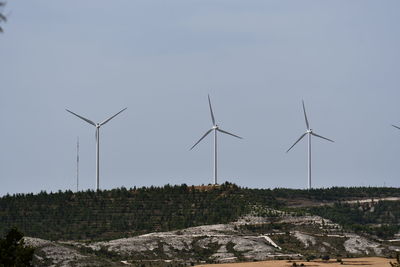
x,y
381,219
125,212
119,212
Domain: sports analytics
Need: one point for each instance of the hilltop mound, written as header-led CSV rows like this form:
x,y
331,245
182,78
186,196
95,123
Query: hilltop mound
x,y
117,213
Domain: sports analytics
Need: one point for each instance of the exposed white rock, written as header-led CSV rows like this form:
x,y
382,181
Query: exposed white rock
x,y
222,255
255,247
36,242
326,244
356,244
269,240
227,241
249,219
305,239
58,254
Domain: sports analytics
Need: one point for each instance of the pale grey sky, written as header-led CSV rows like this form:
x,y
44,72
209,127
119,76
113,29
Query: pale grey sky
x,y
257,60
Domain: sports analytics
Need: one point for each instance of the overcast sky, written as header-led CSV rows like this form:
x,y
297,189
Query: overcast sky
x,y
256,59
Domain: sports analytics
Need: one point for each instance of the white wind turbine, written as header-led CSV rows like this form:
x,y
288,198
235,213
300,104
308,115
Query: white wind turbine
x,y
216,129
97,125
308,132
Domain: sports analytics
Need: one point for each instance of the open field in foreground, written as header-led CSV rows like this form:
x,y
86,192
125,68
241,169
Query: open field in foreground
x,y
353,262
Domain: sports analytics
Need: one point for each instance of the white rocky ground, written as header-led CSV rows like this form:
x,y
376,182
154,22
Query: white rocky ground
x,y
59,255
49,253
219,243
229,242
356,244
307,240
369,200
172,244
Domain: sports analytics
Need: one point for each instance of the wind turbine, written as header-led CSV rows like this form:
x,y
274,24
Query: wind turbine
x,y
97,125
215,128
308,132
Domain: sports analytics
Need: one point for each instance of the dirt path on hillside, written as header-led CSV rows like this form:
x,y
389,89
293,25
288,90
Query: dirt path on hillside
x,y
369,200
313,203
354,262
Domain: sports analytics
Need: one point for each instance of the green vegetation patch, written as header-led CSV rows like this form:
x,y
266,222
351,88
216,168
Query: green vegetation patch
x,y
381,219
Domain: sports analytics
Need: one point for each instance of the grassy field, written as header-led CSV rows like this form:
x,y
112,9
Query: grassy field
x,y
353,262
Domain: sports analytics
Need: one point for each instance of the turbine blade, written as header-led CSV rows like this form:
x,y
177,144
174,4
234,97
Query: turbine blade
x,y
211,111
2,17
83,118
225,132
209,131
322,137
396,126
107,120
305,116
296,142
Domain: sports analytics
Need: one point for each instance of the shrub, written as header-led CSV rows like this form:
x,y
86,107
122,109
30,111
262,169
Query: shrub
x,y
325,257
13,251
310,258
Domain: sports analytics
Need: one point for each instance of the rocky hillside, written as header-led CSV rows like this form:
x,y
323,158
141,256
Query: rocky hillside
x,y
181,225
250,238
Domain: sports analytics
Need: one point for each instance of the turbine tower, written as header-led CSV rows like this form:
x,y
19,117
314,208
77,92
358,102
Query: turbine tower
x,y
97,125
309,132
77,165
215,128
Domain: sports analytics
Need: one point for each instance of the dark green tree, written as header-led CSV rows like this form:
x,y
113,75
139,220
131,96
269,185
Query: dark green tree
x,y
13,251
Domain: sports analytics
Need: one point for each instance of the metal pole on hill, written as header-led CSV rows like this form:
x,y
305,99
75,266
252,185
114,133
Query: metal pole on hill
x,y
77,165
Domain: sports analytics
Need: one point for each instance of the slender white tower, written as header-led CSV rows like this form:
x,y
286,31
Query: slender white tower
x,y
215,158
97,156
215,128
308,132
77,165
97,125
309,160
